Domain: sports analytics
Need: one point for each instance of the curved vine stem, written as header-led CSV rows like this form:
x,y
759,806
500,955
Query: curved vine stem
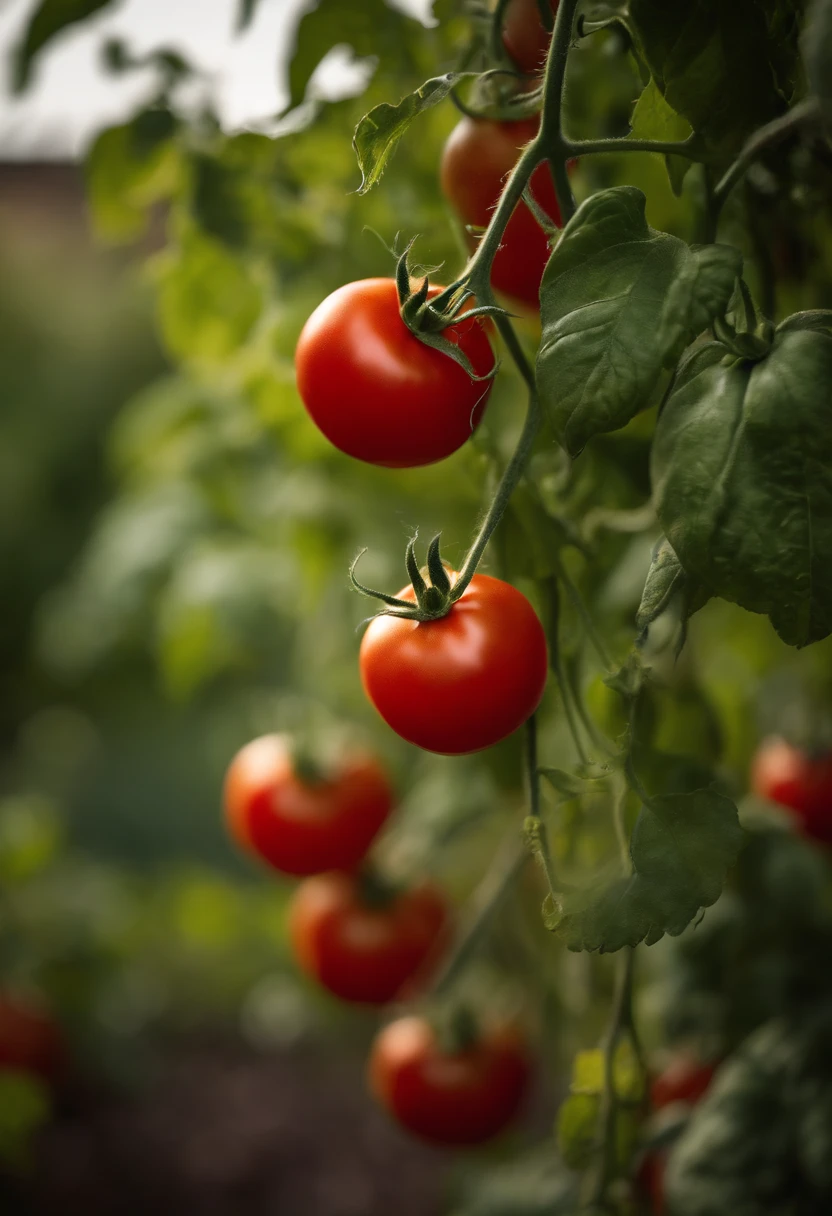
x,y
806,114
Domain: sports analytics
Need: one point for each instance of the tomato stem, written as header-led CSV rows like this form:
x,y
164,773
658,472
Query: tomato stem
x,y
688,148
621,1023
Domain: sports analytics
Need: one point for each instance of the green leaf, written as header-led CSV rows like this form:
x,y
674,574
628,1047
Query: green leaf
x,y
379,131
681,848
48,20
667,581
653,118
817,51
209,300
129,168
369,28
588,1071
742,476
577,1129
619,302
726,68
567,785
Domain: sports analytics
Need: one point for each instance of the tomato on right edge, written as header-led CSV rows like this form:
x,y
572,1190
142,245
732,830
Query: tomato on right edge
x,y
460,1098
794,779
478,155
525,37
361,949
301,825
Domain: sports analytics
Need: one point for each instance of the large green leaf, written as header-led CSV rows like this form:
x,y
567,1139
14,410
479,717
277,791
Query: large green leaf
x,y
681,847
619,301
379,131
48,20
742,476
725,67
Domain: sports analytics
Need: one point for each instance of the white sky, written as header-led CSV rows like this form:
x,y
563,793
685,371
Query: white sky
x,y
71,97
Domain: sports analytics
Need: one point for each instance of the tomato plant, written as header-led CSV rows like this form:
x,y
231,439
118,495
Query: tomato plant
x,y
465,681
376,391
460,1097
801,782
304,824
653,475
361,943
476,160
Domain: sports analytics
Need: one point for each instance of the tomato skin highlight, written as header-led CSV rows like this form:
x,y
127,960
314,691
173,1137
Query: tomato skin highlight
x,y
463,1098
30,1041
358,951
796,780
461,683
477,157
686,1079
298,827
376,391
525,37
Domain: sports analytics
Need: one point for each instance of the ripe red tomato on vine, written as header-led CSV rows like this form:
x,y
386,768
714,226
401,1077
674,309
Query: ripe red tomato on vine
x,y
30,1039
477,157
304,824
465,681
380,394
686,1079
461,1097
525,37
361,945
797,780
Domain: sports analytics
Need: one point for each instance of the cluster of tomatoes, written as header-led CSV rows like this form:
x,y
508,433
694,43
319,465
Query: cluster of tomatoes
x,y
369,941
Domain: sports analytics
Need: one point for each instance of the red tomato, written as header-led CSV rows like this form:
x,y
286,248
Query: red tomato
x,y
686,1079
298,826
461,1098
477,157
376,391
358,949
525,37
796,780
30,1041
465,681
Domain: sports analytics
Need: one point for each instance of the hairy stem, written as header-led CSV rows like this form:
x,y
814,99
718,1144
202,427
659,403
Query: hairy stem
x,y
589,147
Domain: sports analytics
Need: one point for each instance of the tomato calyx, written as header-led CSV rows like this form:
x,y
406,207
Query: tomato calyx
x,y
458,1031
434,598
427,316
